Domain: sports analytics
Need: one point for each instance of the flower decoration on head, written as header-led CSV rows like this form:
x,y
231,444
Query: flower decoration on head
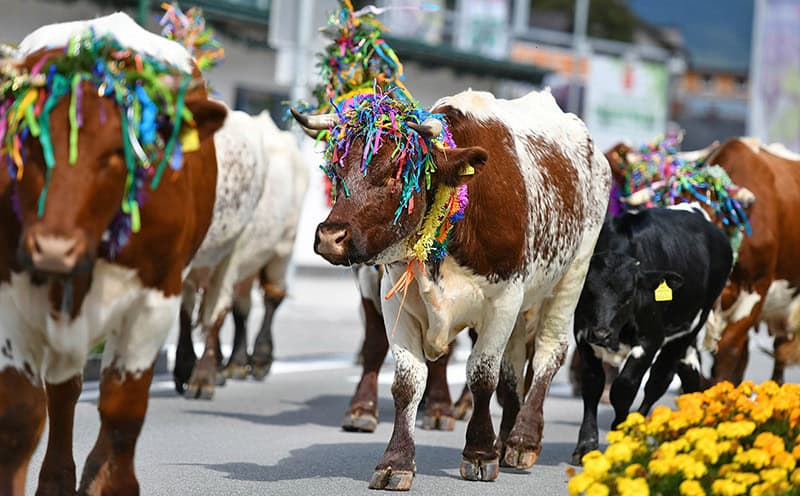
x,y
157,128
724,441
381,119
189,29
668,179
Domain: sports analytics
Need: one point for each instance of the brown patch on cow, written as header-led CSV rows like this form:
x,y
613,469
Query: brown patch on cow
x,y
22,415
122,406
617,160
58,469
491,239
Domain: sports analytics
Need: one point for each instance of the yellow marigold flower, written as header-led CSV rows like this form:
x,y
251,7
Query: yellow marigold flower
x,y
770,443
618,453
579,484
691,468
773,475
796,452
762,412
596,467
697,435
784,460
767,388
632,487
659,467
725,487
746,478
758,458
633,420
635,470
708,451
746,388
795,478
691,488
615,436
597,489
728,468
734,430
763,489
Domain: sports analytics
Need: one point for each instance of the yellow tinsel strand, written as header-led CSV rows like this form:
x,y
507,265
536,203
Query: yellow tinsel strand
x,y
432,221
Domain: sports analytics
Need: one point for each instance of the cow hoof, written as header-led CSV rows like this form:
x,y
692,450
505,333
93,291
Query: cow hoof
x,y
480,470
520,458
260,372
199,392
391,480
202,383
236,372
438,422
360,423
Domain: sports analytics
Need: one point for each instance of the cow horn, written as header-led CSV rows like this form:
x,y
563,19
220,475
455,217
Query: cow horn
x,y
430,127
321,122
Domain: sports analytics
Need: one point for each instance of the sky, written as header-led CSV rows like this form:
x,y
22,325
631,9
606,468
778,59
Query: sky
x,y
717,33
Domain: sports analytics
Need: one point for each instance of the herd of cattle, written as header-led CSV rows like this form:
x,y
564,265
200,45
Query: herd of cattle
x,y
535,251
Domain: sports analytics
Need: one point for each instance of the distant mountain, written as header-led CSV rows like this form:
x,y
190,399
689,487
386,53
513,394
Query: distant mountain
x,y
717,33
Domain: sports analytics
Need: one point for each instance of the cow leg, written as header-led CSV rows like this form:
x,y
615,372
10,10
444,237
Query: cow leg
x,y
397,467
122,406
550,343
781,345
510,387
237,367
362,415
626,385
480,458
575,373
664,368
204,376
185,357
732,355
57,476
592,384
22,416
463,406
438,409
261,360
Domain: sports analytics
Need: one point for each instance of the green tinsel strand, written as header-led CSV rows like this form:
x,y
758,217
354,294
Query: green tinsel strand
x,y
174,138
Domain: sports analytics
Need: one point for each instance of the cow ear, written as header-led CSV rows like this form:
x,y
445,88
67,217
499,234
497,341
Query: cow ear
x,y
651,279
209,115
457,166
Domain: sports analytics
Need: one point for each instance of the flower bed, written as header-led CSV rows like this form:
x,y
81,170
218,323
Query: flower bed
x,y
724,441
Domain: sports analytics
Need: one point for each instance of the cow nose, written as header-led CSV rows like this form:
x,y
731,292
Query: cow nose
x,y
332,241
53,254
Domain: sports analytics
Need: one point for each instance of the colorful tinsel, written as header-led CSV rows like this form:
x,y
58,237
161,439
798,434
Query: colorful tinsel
x,y
148,109
189,29
672,180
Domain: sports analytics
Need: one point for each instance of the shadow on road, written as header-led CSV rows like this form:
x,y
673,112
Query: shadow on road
x,y
325,410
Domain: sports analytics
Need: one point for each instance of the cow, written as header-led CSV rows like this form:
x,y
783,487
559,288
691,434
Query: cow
x,y
765,282
263,179
439,412
538,192
653,280
67,280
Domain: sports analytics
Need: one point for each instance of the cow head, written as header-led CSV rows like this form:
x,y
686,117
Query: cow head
x,y
616,288
368,223
66,208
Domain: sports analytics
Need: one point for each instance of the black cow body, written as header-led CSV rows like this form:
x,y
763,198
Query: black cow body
x,y
618,311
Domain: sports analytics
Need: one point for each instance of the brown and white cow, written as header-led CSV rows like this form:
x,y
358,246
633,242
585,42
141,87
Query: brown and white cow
x,y
131,302
537,203
765,282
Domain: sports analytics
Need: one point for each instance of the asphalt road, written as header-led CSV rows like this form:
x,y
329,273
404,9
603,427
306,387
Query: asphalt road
x,y
282,436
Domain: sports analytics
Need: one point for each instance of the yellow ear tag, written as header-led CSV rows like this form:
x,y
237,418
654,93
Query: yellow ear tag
x,y
663,292
190,139
468,170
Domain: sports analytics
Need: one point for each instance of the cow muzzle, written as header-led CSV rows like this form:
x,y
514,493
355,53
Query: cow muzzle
x,y
333,243
53,254
603,336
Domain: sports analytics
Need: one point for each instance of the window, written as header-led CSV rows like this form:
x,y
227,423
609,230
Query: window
x,y
253,101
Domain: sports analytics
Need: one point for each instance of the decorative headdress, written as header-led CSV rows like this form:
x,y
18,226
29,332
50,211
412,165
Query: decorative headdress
x,y
189,29
149,110
363,84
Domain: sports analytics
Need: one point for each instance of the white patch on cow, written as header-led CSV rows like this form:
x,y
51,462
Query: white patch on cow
x,y
692,207
691,358
715,325
637,351
781,310
121,26
615,358
743,306
134,319
369,284
780,150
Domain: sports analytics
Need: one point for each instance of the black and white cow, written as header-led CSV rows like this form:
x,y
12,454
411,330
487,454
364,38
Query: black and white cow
x,y
652,282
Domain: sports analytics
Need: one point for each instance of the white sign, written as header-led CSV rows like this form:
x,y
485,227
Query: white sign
x,y
625,100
